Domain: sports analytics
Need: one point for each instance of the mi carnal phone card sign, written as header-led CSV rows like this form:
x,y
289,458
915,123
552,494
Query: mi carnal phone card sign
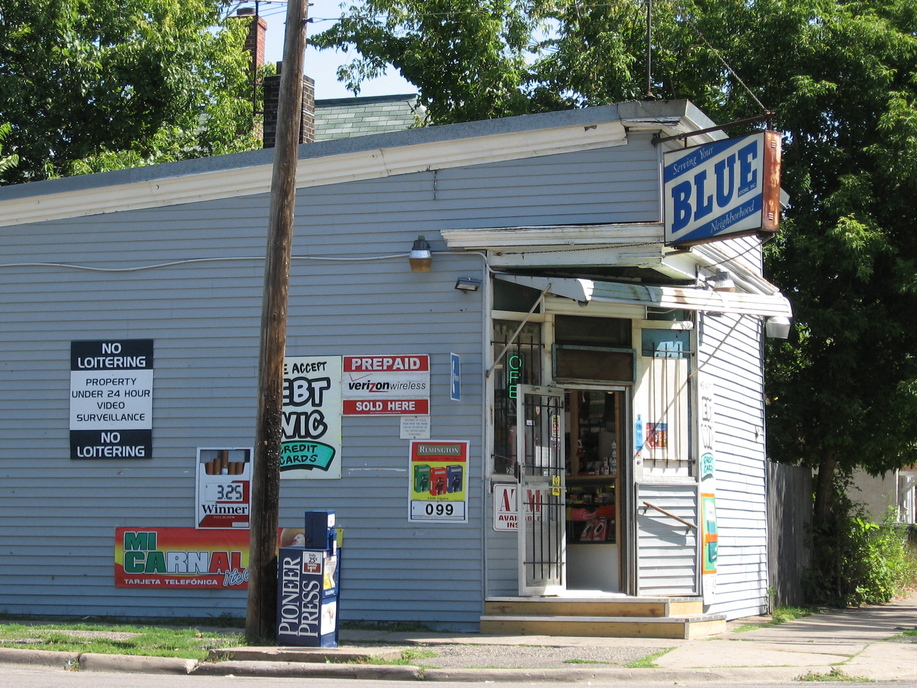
x,y
111,399
181,558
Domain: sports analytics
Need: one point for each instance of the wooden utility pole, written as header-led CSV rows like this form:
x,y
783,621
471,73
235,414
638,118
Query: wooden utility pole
x,y
260,621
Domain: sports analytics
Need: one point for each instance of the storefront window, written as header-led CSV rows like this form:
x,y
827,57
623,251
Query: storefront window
x,y
666,364
593,349
520,365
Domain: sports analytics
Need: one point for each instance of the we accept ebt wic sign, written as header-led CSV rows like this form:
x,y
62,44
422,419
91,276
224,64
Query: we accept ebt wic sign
x,y
722,189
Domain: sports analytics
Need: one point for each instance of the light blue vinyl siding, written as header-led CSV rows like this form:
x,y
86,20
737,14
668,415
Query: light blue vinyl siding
x,y
742,579
666,548
57,516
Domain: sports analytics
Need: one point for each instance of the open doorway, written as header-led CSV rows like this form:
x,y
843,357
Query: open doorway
x,y
594,489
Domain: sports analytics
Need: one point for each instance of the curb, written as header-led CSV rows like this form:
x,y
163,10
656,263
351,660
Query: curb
x,y
141,664
44,658
310,670
616,675
136,664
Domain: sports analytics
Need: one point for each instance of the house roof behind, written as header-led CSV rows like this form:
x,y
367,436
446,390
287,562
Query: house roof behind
x,y
340,118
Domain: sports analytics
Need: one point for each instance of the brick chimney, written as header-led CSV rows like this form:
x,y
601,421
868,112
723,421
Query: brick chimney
x,y
272,101
254,46
257,31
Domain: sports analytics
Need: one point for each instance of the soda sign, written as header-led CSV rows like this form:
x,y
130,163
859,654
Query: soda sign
x,y
723,189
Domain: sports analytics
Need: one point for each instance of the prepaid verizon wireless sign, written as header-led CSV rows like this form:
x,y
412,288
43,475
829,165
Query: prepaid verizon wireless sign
x,y
386,385
722,189
111,399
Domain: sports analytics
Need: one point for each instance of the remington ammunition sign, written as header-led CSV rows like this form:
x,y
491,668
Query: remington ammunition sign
x,y
111,399
311,442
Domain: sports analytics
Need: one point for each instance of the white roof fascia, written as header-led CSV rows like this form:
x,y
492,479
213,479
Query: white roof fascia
x,y
554,236
635,244
249,178
670,118
541,257
585,291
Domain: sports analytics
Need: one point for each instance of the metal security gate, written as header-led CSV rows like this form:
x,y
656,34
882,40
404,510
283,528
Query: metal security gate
x,y
541,470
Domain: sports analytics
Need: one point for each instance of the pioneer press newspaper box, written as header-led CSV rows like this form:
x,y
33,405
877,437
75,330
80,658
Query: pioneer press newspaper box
x,y
308,578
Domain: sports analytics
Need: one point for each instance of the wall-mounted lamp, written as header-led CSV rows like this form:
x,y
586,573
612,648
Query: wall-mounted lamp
x,y
777,327
723,282
421,259
468,284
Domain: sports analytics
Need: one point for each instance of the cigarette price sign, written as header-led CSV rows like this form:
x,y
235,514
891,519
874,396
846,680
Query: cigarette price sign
x,y
224,478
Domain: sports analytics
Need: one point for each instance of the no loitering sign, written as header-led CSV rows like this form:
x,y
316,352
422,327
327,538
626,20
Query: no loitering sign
x,y
111,399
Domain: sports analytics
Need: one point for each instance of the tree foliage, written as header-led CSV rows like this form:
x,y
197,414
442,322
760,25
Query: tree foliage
x,y
838,78
467,57
6,161
88,85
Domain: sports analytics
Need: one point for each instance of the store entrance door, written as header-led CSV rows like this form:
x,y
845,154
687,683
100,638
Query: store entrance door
x,y
595,446
540,462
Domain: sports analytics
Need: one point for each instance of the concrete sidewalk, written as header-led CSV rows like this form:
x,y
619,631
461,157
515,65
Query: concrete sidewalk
x,y
865,643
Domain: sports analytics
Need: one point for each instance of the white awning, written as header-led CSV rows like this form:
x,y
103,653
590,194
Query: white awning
x,y
585,291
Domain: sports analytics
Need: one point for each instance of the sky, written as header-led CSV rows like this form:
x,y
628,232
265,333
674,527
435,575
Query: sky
x,y
320,65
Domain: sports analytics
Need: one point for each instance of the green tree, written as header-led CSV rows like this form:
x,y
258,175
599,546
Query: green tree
x,y
839,79
88,85
6,161
467,57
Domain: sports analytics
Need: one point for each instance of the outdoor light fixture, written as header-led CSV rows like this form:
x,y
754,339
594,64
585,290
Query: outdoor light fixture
x,y
421,259
723,282
468,284
777,327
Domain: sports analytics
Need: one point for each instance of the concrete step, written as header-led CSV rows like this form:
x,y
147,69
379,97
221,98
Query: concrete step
x,y
686,628
640,607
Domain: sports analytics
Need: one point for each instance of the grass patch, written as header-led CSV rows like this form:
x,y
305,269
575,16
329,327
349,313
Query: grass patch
x,y
410,656
783,614
154,641
778,616
584,661
835,675
908,636
224,620
648,662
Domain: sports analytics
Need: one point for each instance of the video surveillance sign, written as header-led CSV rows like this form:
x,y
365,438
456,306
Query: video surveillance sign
x,y
111,399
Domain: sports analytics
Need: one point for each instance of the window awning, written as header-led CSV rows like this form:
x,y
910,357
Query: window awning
x,y
586,290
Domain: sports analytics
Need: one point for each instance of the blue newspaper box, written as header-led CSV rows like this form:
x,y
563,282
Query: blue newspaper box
x,y
307,587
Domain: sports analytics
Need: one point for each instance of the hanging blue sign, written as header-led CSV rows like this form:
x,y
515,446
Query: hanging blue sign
x,y
723,189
